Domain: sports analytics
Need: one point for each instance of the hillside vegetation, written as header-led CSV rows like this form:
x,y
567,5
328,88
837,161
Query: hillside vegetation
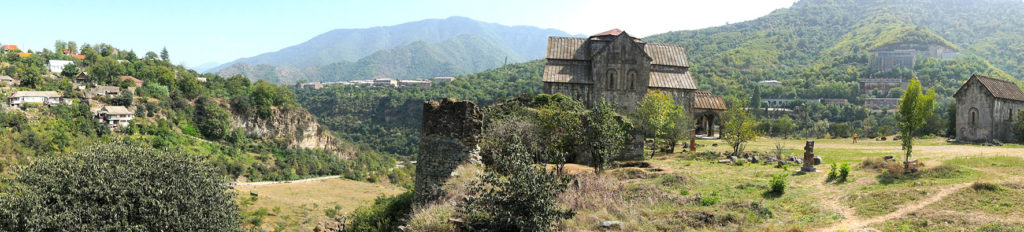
x,y
422,49
248,130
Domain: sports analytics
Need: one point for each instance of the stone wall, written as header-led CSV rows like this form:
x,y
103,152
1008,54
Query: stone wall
x,y
451,132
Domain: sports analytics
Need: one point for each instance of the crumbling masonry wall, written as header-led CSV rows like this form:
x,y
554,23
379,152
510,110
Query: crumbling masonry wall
x,y
450,134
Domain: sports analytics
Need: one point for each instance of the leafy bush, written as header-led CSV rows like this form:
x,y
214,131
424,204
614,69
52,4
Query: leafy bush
x,y
118,187
777,184
385,214
524,199
709,200
985,186
833,171
844,172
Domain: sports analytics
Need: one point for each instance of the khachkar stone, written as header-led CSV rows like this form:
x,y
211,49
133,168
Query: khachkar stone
x,y
450,133
808,158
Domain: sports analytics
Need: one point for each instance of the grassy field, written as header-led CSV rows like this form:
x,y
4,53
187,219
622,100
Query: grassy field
x,y
300,206
682,192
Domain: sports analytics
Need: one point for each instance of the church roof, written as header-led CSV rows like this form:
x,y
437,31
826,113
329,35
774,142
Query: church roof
x,y
612,32
568,48
1000,88
576,74
671,80
706,100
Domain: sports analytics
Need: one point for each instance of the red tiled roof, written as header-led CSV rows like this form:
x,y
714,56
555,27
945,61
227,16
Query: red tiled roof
x,y
10,47
80,57
612,32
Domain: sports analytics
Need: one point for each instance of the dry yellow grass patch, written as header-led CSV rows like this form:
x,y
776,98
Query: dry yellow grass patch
x,y
308,200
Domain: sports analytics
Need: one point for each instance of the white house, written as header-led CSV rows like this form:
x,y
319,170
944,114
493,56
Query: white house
x,y
57,66
8,80
385,82
47,98
115,116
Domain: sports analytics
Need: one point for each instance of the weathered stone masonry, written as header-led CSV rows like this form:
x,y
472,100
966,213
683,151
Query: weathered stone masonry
x,y
451,133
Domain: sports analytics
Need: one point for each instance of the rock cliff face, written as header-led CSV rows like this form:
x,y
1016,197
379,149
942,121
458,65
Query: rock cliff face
x,y
295,126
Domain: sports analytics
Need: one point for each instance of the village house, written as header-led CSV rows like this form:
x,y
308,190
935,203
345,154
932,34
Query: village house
x,y
986,108
782,102
770,83
8,81
103,91
883,84
421,83
47,98
881,103
443,79
834,101
10,47
138,83
57,66
385,82
617,67
115,116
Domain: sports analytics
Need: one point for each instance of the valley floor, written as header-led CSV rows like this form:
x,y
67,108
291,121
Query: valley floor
x,y
302,205
682,192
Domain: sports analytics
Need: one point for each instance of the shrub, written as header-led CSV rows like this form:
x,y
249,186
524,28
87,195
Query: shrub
x,y
522,200
985,186
778,183
709,200
833,171
385,214
844,172
113,187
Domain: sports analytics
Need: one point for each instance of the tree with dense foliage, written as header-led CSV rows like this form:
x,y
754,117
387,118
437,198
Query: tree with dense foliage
x,y
118,187
608,135
523,198
70,71
654,113
737,125
915,108
559,120
164,55
212,120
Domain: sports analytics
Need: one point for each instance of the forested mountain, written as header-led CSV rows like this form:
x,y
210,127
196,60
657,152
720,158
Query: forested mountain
x,y
820,48
460,55
442,47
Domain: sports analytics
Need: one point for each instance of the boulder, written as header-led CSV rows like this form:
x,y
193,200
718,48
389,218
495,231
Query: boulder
x,y
754,159
733,158
888,157
724,161
817,160
611,225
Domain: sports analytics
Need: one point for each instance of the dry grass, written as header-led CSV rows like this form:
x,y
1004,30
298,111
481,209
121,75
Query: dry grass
x,y
303,204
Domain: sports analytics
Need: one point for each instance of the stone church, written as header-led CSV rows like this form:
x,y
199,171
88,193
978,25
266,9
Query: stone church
x,y
986,108
617,67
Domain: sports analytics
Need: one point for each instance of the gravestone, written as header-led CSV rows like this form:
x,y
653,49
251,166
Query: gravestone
x,y
808,158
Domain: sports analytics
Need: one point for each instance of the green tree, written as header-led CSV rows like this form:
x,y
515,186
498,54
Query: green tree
x,y
524,199
654,112
738,126
608,134
70,71
212,120
118,187
915,108
164,55
386,213
105,69
559,118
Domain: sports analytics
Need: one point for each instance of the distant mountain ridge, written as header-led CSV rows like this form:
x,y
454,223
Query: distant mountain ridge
x,y
455,45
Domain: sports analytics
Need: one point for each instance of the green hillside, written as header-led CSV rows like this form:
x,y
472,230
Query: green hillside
x,y
460,55
441,47
820,43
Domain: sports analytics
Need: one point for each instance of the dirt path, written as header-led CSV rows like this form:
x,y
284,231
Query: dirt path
x,y
284,182
855,224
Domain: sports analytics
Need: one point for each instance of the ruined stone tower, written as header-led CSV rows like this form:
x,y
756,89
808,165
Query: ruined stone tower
x,y
450,134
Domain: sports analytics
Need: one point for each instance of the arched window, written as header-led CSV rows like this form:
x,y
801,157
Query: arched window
x,y
611,79
632,78
974,115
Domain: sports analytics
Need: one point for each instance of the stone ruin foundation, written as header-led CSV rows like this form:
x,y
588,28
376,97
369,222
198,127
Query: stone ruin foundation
x,y
450,136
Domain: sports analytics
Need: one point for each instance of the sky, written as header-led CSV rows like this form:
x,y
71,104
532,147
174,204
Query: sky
x,y
202,31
